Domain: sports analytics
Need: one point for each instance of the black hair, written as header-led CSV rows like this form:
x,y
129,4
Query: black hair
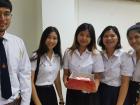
x,y
114,29
43,47
135,27
84,27
6,4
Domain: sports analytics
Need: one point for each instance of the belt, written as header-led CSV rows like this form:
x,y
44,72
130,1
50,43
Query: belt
x,y
45,86
17,101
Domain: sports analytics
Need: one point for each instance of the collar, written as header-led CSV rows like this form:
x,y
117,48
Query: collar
x,y
5,36
116,53
86,51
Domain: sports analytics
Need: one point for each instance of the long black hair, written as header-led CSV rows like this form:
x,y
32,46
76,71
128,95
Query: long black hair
x,y
43,47
84,27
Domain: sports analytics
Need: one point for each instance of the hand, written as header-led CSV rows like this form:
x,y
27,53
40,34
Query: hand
x,y
61,102
65,81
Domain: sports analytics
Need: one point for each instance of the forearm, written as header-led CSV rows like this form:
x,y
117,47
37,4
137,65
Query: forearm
x,y
25,91
97,80
138,103
123,90
35,97
59,87
59,90
65,77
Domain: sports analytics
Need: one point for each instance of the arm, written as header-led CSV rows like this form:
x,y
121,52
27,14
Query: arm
x,y
66,76
59,87
138,103
34,93
123,90
97,78
24,75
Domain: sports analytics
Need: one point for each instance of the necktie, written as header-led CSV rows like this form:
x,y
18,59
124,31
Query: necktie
x,y
6,91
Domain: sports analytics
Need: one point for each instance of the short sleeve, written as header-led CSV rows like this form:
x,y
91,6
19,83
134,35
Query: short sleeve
x,y
66,60
34,62
126,65
98,65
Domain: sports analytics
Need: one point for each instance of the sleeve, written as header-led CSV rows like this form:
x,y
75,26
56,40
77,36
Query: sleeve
x,y
24,75
126,65
98,65
33,65
66,60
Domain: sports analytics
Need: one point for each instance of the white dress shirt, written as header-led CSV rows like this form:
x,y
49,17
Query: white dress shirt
x,y
86,63
119,64
48,69
136,73
19,68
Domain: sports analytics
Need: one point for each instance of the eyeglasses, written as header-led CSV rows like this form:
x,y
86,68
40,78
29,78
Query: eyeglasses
x,y
5,15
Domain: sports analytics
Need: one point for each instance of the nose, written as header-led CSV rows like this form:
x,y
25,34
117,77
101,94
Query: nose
x,y
51,40
109,38
133,40
2,16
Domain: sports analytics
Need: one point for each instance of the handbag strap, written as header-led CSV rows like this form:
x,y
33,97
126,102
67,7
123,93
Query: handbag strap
x,y
37,69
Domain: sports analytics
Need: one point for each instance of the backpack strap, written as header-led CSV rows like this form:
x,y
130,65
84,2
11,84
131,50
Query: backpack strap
x,y
37,69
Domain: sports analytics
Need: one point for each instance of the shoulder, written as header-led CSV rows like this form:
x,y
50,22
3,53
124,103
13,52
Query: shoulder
x,y
124,54
67,52
13,38
96,53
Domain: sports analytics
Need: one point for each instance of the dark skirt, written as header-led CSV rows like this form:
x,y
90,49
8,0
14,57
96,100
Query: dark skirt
x,y
133,93
77,97
47,95
108,94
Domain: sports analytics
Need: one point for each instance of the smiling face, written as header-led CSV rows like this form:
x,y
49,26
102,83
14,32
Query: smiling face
x,y
134,40
83,39
5,19
51,40
110,39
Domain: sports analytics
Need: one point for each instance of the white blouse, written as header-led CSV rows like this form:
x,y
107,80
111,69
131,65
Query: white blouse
x,y
136,73
85,63
119,64
48,69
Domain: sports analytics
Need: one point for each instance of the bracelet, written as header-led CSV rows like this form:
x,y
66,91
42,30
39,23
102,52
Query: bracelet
x,y
61,102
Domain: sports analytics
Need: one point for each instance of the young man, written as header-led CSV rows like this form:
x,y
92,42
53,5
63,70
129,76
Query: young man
x,y
15,68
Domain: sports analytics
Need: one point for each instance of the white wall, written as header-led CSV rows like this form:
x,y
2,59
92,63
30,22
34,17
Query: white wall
x,y
31,17
101,13
61,14
27,22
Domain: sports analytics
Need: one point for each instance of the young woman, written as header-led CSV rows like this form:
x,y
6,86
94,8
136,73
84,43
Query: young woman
x,y
50,60
83,57
118,68
133,36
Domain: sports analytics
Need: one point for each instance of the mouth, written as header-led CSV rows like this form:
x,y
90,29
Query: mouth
x,y
2,24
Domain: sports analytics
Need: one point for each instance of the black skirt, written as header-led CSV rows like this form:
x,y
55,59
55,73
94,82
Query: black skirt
x,y
108,94
47,95
133,93
77,97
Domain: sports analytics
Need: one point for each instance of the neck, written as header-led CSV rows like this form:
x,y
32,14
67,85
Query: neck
x,y
81,50
1,34
138,55
49,53
110,52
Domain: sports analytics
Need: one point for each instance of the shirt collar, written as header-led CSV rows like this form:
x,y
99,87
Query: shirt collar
x,y
132,52
86,51
5,36
116,52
